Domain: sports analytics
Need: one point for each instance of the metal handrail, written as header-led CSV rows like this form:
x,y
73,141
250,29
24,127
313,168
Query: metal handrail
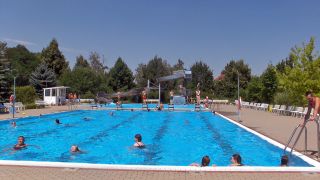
x,y
303,127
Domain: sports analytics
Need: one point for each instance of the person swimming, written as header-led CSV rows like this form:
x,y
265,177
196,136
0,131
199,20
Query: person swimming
x,y
57,121
74,149
13,124
236,160
21,144
138,141
284,161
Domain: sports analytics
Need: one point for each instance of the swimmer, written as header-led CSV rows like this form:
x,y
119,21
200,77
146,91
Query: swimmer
x,y
284,161
20,144
57,121
236,160
13,124
74,149
204,162
86,119
138,141
111,113
131,110
213,112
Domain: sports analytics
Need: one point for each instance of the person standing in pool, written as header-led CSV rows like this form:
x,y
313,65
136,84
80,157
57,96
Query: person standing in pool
x,y
284,161
236,160
204,162
138,141
21,144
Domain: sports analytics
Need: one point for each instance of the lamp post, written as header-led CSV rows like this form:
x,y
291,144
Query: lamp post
x,y
239,105
14,96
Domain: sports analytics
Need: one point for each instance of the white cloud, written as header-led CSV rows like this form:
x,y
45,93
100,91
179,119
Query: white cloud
x,y
19,41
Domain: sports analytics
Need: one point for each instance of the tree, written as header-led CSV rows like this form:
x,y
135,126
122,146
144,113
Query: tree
x,y
81,62
121,77
95,62
270,84
179,65
54,58
4,71
141,75
302,76
202,74
254,90
42,77
26,94
229,82
24,62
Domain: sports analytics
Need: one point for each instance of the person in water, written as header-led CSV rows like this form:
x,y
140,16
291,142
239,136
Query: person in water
x,y
204,162
13,124
138,141
236,160
74,149
57,121
284,161
21,144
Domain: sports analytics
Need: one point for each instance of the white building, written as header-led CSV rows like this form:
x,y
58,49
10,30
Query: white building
x,y
55,95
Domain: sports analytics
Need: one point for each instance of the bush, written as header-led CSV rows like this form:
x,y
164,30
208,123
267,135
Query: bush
x,y
26,94
31,106
282,98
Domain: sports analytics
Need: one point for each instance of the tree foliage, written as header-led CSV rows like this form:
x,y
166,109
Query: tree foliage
x,y
23,62
270,84
54,58
81,62
4,71
202,74
26,94
227,87
121,77
96,62
303,75
42,77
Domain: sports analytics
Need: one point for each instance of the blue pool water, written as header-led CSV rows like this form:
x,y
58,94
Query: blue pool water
x,y
171,138
151,106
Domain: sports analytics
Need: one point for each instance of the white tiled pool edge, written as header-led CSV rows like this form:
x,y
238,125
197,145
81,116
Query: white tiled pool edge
x,y
178,168
271,141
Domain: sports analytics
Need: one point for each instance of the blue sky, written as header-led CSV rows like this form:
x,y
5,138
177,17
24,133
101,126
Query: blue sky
x,y
213,31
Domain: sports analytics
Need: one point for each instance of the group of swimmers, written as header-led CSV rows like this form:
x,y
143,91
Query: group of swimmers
x,y
236,161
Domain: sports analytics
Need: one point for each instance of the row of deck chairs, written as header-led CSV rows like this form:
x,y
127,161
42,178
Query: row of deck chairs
x,y
278,109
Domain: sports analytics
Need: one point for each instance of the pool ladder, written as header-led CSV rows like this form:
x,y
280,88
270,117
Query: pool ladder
x,y
171,107
197,107
302,127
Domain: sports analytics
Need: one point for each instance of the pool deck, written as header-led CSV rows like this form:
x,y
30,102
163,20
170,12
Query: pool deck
x,y
268,124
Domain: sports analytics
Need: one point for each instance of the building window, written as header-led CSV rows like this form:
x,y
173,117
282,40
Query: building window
x,y
47,92
53,92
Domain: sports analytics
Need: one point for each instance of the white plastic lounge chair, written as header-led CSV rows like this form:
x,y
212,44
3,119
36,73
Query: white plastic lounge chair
x,y
275,108
296,112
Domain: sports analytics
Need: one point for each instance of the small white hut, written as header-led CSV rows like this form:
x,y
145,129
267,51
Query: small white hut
x,y
55,95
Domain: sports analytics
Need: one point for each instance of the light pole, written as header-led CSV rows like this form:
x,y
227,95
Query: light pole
x,y
239,103
14,96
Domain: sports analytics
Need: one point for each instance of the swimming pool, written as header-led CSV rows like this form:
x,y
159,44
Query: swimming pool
x,y
171,138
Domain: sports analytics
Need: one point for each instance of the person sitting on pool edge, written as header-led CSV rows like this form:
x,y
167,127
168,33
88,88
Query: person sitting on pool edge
x,y
236,160
138,141
204,162
20,144
284,161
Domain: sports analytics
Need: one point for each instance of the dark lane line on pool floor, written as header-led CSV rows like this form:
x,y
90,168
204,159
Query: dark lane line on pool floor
x,y
65,156
217,138
154,150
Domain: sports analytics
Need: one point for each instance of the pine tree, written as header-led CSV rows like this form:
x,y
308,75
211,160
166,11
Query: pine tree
x,y
4,71
54,58
42,77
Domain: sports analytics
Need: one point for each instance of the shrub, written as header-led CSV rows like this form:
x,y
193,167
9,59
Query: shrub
x,y
26,94
31,106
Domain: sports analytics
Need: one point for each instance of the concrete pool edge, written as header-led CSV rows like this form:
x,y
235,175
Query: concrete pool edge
x,y
275,143
157,168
